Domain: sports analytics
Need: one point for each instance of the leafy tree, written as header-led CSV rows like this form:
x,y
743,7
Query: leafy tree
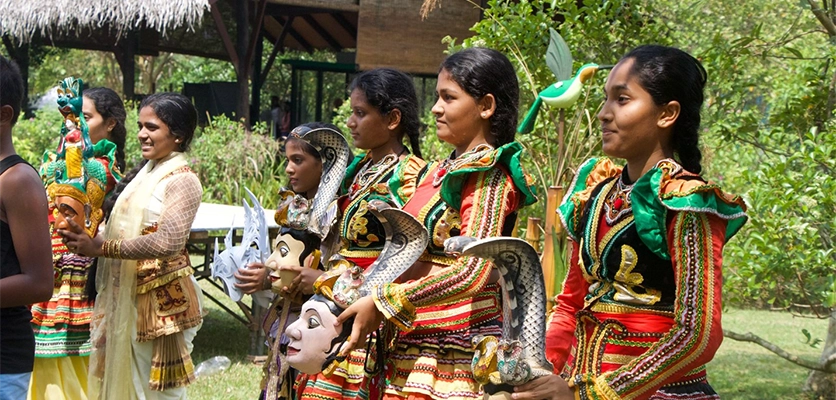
x,y
768,128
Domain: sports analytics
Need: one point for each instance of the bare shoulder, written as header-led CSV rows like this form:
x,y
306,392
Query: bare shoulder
x,y
21,188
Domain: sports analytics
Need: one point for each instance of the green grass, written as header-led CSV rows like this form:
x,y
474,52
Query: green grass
x,y
746,371
223,335
739,371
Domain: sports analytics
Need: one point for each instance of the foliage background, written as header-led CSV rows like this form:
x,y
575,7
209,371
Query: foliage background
x,y
768,122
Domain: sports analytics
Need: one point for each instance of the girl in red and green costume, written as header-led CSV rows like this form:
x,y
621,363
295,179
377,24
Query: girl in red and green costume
x,y
444,301
639,315
62,324
384,109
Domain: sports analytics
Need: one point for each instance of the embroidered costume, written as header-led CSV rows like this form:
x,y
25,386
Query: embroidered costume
x,y
362,238
639,315
149,304
74,181
437,314
309,223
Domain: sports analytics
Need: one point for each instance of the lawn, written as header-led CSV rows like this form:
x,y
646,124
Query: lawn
x,y
740,371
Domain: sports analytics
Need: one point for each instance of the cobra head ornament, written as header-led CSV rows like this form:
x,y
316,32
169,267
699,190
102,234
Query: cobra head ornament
x,y
335,154
314,340
519,356
566,91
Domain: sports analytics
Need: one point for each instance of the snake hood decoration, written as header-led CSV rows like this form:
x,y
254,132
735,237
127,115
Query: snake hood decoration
x,y
519,357
294,212
314,340
317,215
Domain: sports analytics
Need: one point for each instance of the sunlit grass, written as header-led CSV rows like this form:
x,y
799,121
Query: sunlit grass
x,y
743,371
747,371
222,334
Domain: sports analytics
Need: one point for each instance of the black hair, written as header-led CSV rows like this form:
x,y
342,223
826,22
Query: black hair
x,y
176,111
309,239
668,74
11,87
306,127
387,89
110,106
481,71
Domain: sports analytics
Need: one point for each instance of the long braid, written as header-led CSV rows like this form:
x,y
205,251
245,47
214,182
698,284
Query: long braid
x,y
670,74
415,144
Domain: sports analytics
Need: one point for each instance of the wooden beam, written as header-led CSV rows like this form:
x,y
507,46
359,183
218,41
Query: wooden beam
x,y
318,5
219,23
277,47
259,21
346,24
243,72
297,37
322,32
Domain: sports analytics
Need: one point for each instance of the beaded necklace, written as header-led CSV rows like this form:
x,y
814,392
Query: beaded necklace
x,y
371,172
449,164
618,201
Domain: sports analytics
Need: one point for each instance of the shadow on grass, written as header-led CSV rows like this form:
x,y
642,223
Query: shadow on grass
x,y
223,335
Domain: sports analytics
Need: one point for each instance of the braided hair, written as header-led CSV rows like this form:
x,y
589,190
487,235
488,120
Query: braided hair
x,y
387,89
481,71
670,74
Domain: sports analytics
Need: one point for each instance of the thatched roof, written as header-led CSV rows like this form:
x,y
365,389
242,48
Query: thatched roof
x,y
22,19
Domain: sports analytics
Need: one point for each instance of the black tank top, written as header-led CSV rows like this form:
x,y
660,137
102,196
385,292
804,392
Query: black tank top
x,y
17,342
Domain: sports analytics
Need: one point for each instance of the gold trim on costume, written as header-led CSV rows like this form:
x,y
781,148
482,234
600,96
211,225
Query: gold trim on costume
x,y
436,259
617,358
624,309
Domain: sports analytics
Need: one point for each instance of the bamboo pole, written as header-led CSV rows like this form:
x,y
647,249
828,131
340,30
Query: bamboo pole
x,y
552,229
532,233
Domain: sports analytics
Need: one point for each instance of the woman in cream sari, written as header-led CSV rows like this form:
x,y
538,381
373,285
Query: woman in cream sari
x,y
149,305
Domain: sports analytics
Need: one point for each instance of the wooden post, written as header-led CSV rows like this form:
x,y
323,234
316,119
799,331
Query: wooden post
x,y
532,233
552,229
242,72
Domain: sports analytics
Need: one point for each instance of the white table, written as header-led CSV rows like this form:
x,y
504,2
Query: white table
x,y
213,221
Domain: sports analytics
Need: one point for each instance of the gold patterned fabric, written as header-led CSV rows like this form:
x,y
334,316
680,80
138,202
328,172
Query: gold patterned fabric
x,y
161,201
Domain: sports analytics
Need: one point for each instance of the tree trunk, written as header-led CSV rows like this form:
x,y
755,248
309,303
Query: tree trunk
x,y
821,384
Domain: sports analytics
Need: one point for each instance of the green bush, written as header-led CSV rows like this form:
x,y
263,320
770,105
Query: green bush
x,y
32,136
227,159
224,156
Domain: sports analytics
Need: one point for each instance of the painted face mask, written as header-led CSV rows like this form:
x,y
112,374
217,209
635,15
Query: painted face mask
x,y
345,283
314,340
291,247
76,174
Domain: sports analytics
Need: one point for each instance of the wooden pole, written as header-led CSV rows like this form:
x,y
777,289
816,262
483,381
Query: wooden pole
x,y
552,229
532,233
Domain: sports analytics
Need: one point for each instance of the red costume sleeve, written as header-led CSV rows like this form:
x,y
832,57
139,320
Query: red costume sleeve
x,y
696,243
561,328
488,198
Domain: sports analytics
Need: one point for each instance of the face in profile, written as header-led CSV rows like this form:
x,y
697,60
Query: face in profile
x,y
68,208
286,251
303,169
369,128
311,337
98,127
